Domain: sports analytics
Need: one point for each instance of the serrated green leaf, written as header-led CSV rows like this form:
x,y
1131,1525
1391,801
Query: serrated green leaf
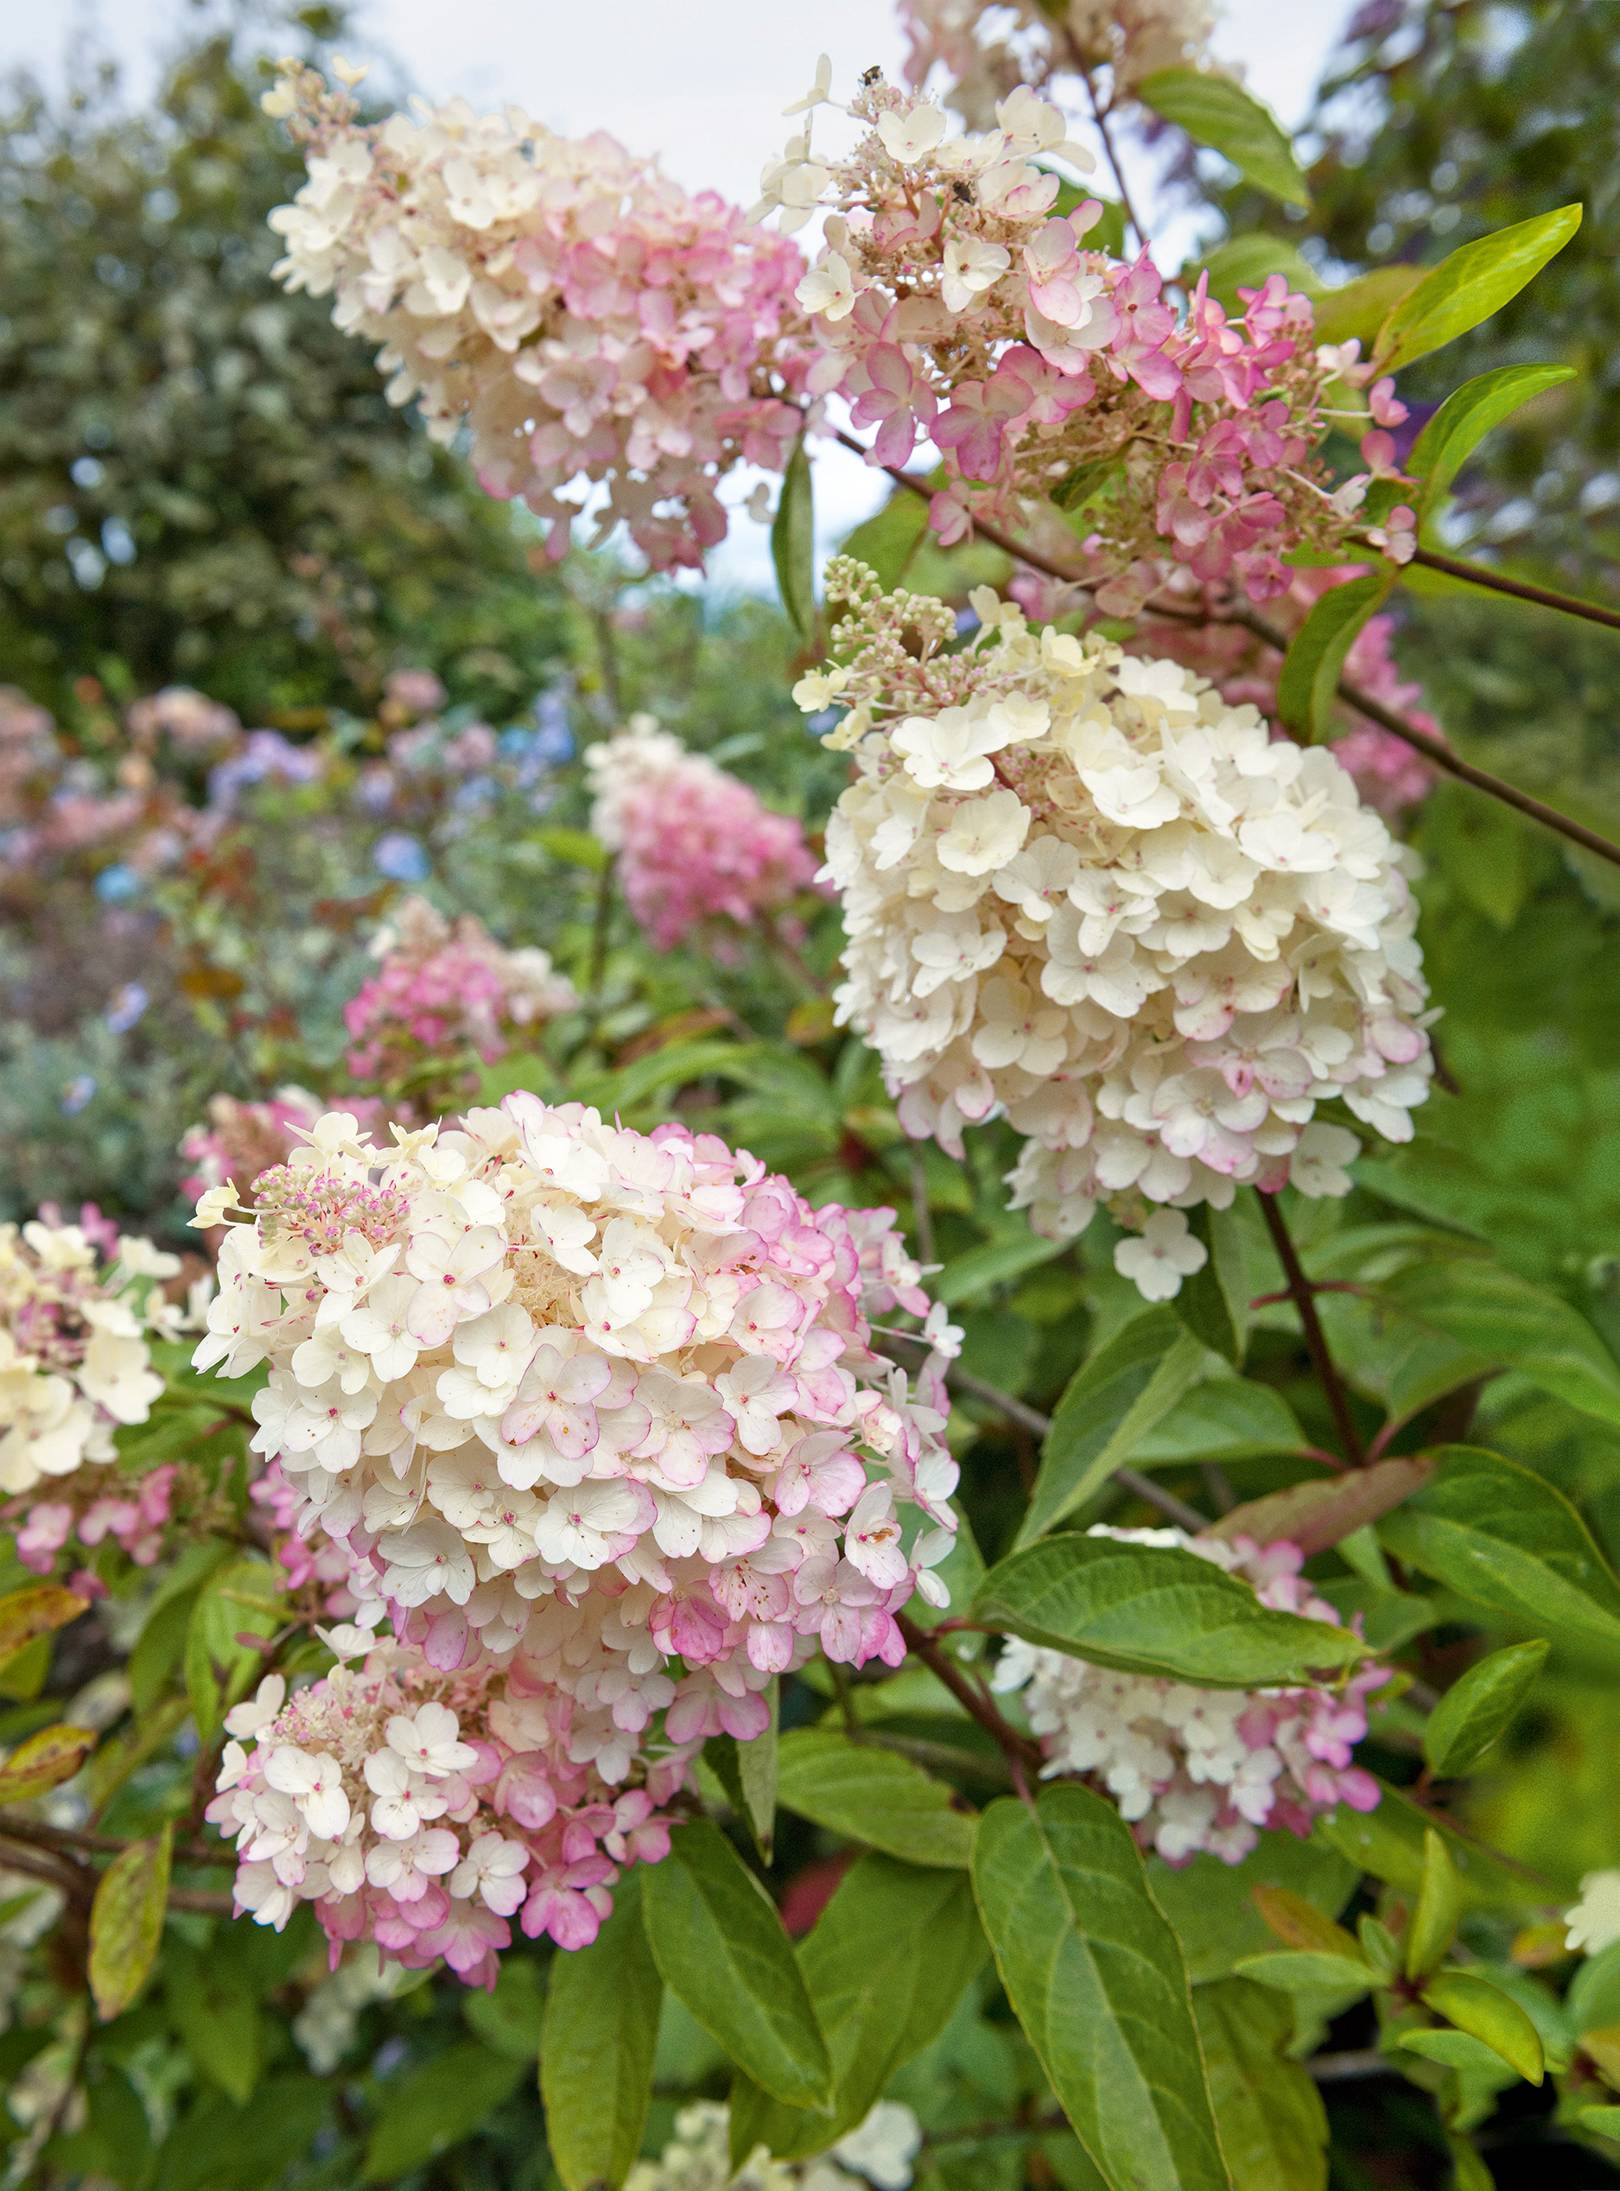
x,y
126,1922
1475,281
1477,1709
1503,1537
1113,1400
1308,686
1157,1610
719,1945
1217,112
793,543
1468,414
597,2040
873,1795
1096,1979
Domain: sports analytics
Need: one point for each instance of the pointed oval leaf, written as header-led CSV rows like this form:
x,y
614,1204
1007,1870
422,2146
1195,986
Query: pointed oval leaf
x,y
1506,1321
1310,1970
793,543
1155,1609
1273,2124
1505,1538
1468,414
1217,112
1309,683
1475,281
874,1795
1477,1709
1488,2014
597,2040
1325,1510
1300,1924
43,1762
28,1614
1096,1979
1437,1912
719,1945
126,1922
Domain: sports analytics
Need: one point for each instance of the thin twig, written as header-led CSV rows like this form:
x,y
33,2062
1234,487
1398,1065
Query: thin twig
x,y
1303,1295
1099,114
63,1838
1493,581
1019,1750
1361,2061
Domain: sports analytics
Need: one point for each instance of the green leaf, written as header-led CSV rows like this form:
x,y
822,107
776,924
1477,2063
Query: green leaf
x,y
43,1762
873,1795
1113,1400
719,1944
241,1599
1471,284
793,543
1603,2122
1355,312
1096,1979
1468,414
574,847
597,2040
1476,1710
1486,2013
1223,1419
126,1922
1158,1610
1388,1842
1214,1302
1309,1970
1505,1538
748,1772
28,1614
968,1277
1273,2126
1504,1320
1084,483
216,2016
1215,111
886,1964
436,2104
1438,1910
1323,1511
1309,684
1211,1905
1455,2049
1244,262
1298,1923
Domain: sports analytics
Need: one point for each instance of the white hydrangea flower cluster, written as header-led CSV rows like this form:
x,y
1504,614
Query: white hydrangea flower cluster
x,y
878,2155
1083,892
985,48
1203,1769
77,1317
591,322
617,1391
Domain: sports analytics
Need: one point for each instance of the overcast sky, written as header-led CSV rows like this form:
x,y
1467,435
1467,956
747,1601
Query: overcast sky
x,y
702,82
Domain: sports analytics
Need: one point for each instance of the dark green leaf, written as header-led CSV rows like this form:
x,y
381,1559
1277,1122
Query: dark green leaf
x,y
1505,1538
1476,1710
1505,1320
1084,483
596,2047
1096,1979
793,543
1217,112
435,2105
719,1944
1214,1302
1475,281
873,1795
1156,1609
1309,684
216,2016
1273,2126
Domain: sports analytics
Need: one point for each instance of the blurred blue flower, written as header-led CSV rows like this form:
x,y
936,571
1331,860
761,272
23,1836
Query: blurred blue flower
x,y
116,885
127,1007
77,1094
401,857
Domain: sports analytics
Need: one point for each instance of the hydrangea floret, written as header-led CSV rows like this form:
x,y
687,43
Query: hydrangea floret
x,y
879,2154
1082,892
604,335
986,48
612,1396
971,314
693,843
239,1137
1203,1769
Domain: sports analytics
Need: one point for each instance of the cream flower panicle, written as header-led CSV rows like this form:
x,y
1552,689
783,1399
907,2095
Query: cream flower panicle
x,y
1082,892
879,2154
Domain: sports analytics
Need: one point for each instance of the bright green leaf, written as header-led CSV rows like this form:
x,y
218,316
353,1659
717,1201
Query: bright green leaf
x,y
873,1795
1158,1610
1355,312
1388,1842
126,1922
1309,684
1475,281
1486,2013
1308,1970
1476,1710
1455,2049
1113,1400
1437,1912
719,1944
1273,2126
1217,112
1095,1978
1468,414
597,2040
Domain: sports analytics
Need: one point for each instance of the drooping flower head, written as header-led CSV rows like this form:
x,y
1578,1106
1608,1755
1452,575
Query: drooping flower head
x,y
1082,892
547,1376
693,843
595,326
1203,1769
443,987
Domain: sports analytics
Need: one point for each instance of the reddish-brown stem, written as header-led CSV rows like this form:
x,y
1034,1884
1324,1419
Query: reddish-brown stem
x,y
1019,1751
1302,1293
1492,581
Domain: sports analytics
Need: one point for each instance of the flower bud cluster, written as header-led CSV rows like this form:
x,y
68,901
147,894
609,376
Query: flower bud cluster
x,y
587,319
877,2155
693,843
552,1379
1203,1769
77,1317
423,1811
986,48
969,313
1081,891
442,987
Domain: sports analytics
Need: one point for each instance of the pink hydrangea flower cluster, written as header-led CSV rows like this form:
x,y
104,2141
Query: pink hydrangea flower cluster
x,y
986,48
425,1811
83,1512
590,322
315,1565
693,843
542,1371
446,987
240,1138
969,314
1203,1769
